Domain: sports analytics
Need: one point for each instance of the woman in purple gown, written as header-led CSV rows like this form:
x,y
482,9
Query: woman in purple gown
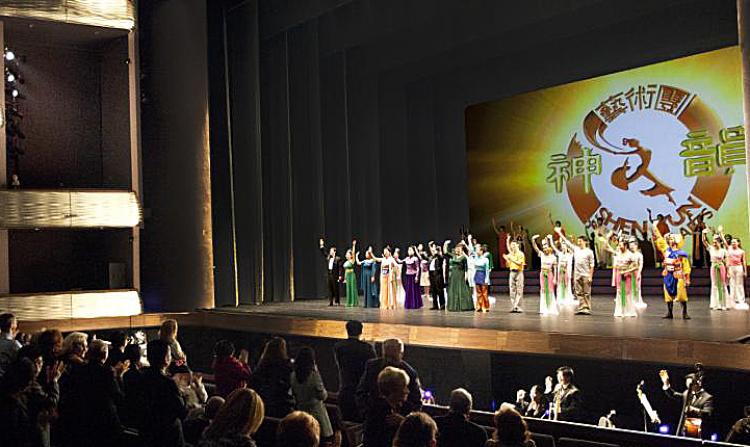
x,y
411,280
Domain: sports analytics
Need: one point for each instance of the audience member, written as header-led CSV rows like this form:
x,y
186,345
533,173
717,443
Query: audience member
x,y
74,349
510,429
298,429
567,398
310,392
536,407
50,344
351,357
271,379
168,334
417,430
237,420
163,406
9,346
367,389
132,406
118,341
740,432
191,386
16,425
200,418
455,428
88,407
383,417
230,373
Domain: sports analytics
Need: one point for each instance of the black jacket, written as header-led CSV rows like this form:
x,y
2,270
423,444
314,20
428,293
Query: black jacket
x,y
338,264
570,403
703,401
273,383
351,357
164,409
454,430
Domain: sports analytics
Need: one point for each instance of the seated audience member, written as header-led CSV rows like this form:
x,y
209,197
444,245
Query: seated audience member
x,y
17,428
74,349
510,429
200,418
230,372
163,406
367,389
455,429
271,379
351,356
237,420
50,344
117,343
88,408
534,408
298,429
417,430
310,393
383,417
740,432
168,334
9,346
567,397
191,386
131,409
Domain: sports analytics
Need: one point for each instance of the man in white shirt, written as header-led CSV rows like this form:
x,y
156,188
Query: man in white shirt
x,y
9,346
583,272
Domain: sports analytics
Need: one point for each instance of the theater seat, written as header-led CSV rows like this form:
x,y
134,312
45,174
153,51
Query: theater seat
x,y
352,432
542,440
570,442
266,435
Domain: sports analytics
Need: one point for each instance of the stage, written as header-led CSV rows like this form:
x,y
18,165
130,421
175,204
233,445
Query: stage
x,y
709,337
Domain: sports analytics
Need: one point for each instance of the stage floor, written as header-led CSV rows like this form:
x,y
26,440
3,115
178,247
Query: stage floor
x,y
705,325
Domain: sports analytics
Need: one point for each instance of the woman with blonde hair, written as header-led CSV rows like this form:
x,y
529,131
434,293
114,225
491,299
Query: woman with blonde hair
x,y
237,420
74,349
168,333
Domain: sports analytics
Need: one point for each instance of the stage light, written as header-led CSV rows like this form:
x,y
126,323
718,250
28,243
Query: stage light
x,y
9,55
714,437
11,77
664,429
14,93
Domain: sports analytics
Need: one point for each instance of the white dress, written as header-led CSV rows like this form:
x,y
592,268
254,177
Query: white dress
x,y
547,301
625,285
565,295
638,260
720,298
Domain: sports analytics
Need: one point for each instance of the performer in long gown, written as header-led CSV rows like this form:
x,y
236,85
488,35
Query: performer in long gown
x,y
600,245
700,244
387,279
369,280
737,273
502,244
459,295
637,255
424,273
413,299
398,273
547,301
564,275
624,280
676,272
720,299
350,277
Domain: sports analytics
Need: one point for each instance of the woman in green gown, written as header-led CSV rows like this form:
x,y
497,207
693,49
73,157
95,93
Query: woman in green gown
x,y
350,277
459,294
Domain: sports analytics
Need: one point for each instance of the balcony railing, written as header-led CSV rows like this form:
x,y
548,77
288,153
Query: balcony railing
x,y
62,305
105,13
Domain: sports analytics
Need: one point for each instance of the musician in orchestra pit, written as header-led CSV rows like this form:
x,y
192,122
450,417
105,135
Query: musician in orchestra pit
x,y
697,404
567,397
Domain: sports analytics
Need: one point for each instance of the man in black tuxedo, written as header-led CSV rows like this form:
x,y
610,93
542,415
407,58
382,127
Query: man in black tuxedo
x,y
367,389
567,397
351,356
437,278
334,269
696,402
455,429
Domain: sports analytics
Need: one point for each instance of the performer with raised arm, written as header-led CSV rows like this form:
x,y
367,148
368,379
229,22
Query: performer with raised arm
x,y
387,279
565,295
635,253
720,299
583,272
350,277
368,279
424,272
624,280
459,295
697,403
676,272
334,272
437,277
516,262
502,243
547,301
737,273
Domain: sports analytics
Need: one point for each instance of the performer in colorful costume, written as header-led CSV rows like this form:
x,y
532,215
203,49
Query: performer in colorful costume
x,y
676,271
